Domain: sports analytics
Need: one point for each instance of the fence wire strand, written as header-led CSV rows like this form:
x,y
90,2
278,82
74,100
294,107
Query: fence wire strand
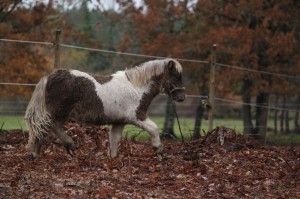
x,y
156,57
26,42
258,71
16,84
130,54
149,56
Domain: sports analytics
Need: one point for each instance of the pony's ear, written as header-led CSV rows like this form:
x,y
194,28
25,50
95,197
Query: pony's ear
x,y
171,64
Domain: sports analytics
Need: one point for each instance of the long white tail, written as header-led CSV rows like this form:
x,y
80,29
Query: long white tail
x,y
38,119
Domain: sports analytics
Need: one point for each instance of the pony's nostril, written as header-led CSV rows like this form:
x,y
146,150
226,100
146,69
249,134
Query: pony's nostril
x,y
180,99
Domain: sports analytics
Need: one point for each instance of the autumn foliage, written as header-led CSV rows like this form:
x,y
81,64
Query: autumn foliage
x,y
260,35
23,63
251,37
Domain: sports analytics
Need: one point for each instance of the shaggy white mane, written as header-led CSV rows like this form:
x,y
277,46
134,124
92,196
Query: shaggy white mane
x,y
141,75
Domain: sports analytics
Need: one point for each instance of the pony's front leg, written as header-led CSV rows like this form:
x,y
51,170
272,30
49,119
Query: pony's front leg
x,y
115,135
149,126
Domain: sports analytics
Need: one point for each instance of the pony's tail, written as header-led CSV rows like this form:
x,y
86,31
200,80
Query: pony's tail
x,y
38,119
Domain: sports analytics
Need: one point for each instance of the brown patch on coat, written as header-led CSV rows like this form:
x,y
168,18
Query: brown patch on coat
x,y
74,97
60,95
101,79
141,111
161,81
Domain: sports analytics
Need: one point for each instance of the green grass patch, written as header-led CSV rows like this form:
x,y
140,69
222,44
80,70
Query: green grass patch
x,y
12,122
289,139
187,126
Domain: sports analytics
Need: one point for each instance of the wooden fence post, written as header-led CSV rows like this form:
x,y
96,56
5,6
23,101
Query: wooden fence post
x,y
57,49
211,97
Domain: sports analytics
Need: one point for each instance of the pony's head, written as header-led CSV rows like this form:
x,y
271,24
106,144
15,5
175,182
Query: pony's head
x,y
172,85
168,73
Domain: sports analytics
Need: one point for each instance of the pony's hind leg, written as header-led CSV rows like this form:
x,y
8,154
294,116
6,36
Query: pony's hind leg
x,y
115,135
34,146
66,140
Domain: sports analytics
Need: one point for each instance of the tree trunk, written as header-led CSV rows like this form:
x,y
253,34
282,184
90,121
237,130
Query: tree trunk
x,y
281,121
282,118
198,120
287,122
287,119
275,122
169,121
276,117
261,115
246,108
296,121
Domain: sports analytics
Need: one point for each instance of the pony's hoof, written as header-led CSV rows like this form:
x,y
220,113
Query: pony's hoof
x,y
158,150
70,147
71,152
160,153
33,156
112,154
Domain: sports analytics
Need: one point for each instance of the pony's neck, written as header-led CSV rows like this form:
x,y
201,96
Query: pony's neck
x,y
146,72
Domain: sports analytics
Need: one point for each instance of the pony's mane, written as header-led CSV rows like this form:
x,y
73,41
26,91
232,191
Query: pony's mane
x,y
141,75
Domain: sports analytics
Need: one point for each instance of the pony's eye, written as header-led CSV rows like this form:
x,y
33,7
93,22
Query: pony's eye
x,y
178,77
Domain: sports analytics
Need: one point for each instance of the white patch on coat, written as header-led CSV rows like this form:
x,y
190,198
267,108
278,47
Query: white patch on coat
x,y
120,97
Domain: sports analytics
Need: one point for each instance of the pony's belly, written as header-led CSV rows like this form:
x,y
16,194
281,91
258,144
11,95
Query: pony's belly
x,y
120,110
96,119
120,102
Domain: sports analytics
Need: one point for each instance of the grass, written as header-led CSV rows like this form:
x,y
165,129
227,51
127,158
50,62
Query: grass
x,y
187,125
12,122
291,139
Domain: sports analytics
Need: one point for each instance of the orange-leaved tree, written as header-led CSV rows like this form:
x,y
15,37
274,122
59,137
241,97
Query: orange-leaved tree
x,y
257,35
24,63
160,28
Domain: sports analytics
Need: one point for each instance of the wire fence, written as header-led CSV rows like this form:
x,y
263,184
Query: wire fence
x,y
151,56
194,99
160,57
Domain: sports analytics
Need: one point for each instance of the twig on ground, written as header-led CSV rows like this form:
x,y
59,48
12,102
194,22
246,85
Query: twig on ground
x,y
2,126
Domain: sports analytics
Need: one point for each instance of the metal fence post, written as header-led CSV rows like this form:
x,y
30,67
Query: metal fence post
x,y
211,97
57,49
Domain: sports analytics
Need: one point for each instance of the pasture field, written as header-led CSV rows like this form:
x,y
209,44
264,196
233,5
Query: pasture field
x,y
187,124
12,122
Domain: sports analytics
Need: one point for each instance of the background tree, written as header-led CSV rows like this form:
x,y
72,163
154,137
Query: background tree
x,y
159,29
24,63
258,35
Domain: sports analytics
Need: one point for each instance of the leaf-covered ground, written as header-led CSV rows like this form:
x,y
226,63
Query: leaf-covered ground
x,y
199,169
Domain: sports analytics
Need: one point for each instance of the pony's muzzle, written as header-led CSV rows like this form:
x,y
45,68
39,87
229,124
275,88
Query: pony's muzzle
x,y
178,94
180,98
